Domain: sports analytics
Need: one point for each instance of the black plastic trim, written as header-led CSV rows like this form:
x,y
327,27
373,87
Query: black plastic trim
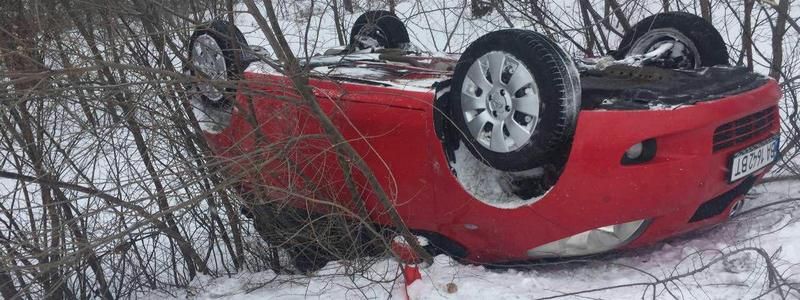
x,y
623,87
716,206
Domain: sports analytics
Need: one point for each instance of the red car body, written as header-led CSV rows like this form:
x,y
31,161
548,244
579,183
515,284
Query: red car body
x,y
392,127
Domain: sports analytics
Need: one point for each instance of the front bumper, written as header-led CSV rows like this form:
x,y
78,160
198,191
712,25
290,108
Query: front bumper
x,y
686,184
686,177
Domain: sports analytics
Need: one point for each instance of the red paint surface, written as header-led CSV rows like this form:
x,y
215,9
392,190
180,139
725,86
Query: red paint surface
x,y
393,132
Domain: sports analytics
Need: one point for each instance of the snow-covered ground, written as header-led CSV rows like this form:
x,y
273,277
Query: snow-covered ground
x,y
693,260
724,262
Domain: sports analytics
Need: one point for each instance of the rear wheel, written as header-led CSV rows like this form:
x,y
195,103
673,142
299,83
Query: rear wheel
x,y
695,41
378,29
515,100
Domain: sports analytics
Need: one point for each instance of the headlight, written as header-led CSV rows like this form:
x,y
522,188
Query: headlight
x,y
592,241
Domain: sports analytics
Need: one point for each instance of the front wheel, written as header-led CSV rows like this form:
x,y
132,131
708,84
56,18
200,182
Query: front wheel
x,y
515,100
215,55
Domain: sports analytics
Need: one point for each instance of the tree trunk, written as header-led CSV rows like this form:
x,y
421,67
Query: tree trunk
x,y
337,23
19,55
348,5
705,9
588,30
747,33
621,17
778,32
7,288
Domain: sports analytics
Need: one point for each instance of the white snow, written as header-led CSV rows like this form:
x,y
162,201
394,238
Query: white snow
x,y
743,276
774,229
487,184
261,68
360,72
211,120
344,58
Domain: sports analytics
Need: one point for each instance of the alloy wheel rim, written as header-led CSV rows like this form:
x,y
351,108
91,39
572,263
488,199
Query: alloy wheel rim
x,y
208,59
683,55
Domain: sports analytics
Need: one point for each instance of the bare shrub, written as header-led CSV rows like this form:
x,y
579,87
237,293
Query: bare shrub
x,y
109,188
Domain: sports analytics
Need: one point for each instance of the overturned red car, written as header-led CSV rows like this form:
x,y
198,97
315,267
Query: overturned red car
x,y
511,150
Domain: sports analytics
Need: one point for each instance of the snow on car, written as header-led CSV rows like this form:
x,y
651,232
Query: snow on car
x,y
511,150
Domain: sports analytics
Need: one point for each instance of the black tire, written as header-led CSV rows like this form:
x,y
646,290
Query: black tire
x,y
285,227
231,42
312,240
310,258
383,26
708,41
559,93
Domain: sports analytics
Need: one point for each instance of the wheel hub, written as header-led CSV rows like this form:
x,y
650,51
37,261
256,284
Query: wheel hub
x,y
499,103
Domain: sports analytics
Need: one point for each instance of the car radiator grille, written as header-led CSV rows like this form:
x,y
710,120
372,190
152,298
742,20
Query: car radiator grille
x,y
742,130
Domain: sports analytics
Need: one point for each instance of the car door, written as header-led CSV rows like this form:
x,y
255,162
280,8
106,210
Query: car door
x,y
389,129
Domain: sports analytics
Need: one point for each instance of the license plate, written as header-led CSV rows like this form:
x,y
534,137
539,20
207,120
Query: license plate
x,y
754,158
